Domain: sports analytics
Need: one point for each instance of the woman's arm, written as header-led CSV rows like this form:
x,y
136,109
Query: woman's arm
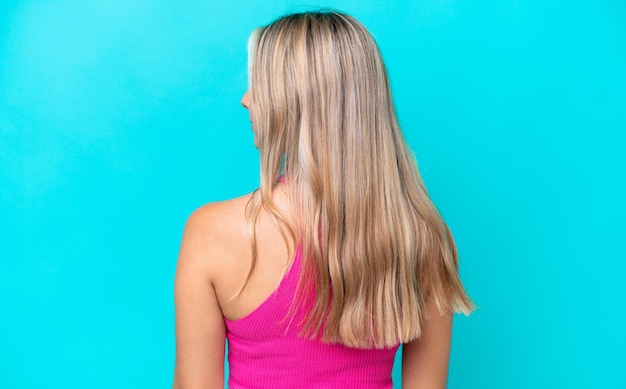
x,y
425,361
200,331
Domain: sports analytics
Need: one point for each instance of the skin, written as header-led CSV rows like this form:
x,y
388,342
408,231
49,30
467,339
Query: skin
x,y
245,102
214,259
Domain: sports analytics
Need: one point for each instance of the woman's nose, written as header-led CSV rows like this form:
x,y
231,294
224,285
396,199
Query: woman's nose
x,y
245,100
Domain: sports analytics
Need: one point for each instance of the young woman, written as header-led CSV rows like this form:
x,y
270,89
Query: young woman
x,y
316,278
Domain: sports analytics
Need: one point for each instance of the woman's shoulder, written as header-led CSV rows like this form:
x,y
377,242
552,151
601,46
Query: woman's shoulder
x,y
217,246
220,215
215,231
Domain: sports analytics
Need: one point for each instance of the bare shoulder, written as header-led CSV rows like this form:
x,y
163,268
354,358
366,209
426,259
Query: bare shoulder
x,y
217,250
219,215
213,235
207,246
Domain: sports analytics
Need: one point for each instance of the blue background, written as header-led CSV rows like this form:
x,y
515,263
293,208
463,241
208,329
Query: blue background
x,y
119,118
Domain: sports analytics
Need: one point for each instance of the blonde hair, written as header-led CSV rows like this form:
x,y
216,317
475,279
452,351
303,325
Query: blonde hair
x,y
374,247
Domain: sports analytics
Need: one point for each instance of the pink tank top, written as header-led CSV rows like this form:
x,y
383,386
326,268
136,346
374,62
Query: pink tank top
x,y
264,352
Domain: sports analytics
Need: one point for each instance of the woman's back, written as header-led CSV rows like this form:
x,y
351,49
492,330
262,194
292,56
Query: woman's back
x,y
264,344
266,350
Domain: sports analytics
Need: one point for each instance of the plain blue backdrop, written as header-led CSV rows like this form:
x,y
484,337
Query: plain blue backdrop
x,y
119,118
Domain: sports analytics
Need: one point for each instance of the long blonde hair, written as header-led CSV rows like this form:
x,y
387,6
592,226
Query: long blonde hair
x,y
374,247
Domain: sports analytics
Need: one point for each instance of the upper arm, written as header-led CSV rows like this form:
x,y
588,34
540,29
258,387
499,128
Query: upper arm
x,y
200,329
425,360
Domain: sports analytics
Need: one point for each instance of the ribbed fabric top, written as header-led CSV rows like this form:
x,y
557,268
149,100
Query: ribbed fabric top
x,y
265,352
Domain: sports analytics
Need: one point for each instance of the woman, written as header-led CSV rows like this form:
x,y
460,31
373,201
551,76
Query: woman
x,y
340,256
